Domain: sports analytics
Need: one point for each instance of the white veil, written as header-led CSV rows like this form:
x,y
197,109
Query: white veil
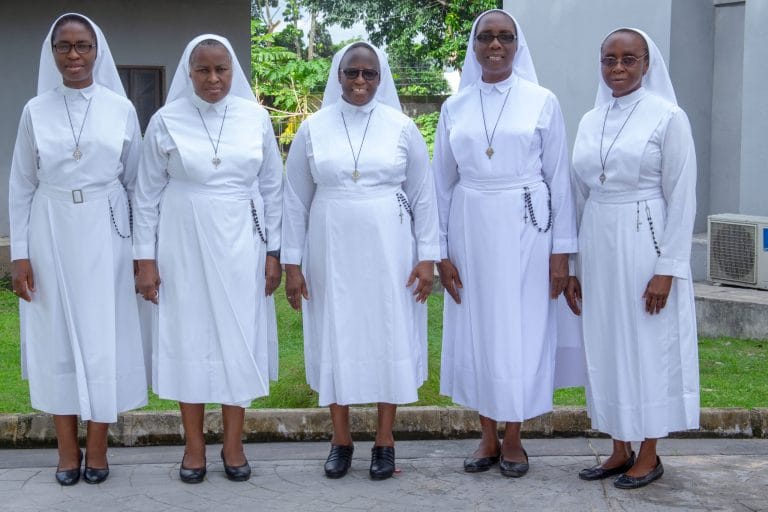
x,y
181,85
104,69
656,79
386,93
522,65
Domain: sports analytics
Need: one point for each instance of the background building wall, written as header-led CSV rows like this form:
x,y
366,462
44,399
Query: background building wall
x,y
139,32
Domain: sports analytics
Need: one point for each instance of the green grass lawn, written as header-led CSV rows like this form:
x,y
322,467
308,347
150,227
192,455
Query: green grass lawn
x,y
734,373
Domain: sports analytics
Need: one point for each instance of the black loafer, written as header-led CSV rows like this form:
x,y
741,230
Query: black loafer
x,y
95,475
339,461
479,464
236,473
513,469
382,462
598,472
191,475
68,477
631,482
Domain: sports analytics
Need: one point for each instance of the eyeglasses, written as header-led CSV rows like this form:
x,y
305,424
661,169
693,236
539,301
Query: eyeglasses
x,y
368,74
80,48
503,37
627,61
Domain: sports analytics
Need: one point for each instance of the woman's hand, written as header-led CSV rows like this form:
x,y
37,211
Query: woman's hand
x,y
273,273
424,271
656,293
573,295
449,277
148,280
22,280
295,286
558,274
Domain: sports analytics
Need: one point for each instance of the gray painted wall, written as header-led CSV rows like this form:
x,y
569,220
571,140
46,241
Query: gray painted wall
x,y
139,32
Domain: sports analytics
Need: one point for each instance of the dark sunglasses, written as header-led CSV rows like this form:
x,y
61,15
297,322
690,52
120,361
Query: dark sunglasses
x,y
368,74
504,37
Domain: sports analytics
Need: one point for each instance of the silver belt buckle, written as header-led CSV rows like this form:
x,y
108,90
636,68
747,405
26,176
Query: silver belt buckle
x,y
77,196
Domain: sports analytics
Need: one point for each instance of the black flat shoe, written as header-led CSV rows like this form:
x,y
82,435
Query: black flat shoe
x,y
513,469
236,473
68,477
339,461
191,475
382,462
598,472
479,464
632,482
95,475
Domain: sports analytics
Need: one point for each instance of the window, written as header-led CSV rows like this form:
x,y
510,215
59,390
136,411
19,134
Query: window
x,y
144,87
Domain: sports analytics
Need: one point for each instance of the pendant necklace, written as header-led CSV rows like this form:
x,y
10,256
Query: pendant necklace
x,y
603,161
488,139
216,161
77,154
356,158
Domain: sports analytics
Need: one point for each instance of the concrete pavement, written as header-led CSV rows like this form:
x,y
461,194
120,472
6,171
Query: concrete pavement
x,y
701,474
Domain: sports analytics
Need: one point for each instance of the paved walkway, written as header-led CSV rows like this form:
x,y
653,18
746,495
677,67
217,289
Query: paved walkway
x,y
701,474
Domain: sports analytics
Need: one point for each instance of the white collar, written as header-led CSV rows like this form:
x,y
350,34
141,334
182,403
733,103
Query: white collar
x,y
624,102
205,106
85,92
502,86
345,106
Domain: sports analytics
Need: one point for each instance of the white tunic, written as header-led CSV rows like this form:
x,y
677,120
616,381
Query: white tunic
x,y
643,369
216,330
499,343
80,338
364,334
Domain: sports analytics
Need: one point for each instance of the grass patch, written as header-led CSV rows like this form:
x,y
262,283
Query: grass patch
x,y
734,373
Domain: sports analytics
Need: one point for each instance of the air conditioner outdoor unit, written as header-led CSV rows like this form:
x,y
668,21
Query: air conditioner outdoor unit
x,y
738,250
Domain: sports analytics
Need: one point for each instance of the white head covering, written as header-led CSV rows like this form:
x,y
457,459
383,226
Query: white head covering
x,y
386,92
522,66
181,85
104,69
656,79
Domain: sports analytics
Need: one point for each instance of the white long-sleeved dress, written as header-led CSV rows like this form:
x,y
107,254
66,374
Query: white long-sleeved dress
x,y
364,334
209,228
642,369
80,339
499,344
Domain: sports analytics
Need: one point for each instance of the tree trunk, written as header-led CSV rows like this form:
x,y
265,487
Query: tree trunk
x,y
311,36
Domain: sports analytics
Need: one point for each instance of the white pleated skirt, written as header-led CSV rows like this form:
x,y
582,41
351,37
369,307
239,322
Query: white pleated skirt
x,y
216,329
642,369
364,333
80,338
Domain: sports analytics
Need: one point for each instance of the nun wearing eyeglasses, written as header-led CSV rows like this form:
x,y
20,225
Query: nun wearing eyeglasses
x,y
72,177
208,208
506,228
635,170
359,245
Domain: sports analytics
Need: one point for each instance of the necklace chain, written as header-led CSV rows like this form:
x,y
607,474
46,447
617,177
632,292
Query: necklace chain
x,y
77,154
216,160
488,139
604,160
356,158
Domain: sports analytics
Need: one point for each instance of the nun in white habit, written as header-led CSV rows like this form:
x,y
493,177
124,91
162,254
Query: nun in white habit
x,y
360,218
72,177
506,227
635,166
208,208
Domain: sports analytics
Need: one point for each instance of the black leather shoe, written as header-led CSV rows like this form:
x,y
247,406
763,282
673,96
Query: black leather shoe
x,y
339,461
598,472
69,476
191,475
631,482
236,473
513,469
479,464
382,462
95,475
